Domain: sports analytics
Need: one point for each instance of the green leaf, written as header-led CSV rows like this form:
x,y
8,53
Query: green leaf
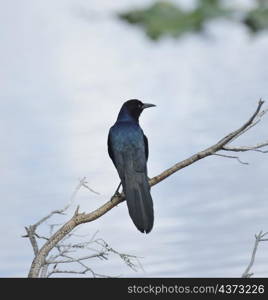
x,y
257,19
166,18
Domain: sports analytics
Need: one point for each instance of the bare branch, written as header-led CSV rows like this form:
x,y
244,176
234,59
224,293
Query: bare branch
x,y
213,149
41,236
31,235
52,226
82,182
80,218
71,259
86,270
85,184
64,251
256,118
230,156
63,257
44,271
258,239
31,230
248,148
127,258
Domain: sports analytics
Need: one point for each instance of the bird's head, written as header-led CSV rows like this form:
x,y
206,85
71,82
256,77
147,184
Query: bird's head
x,y
134,108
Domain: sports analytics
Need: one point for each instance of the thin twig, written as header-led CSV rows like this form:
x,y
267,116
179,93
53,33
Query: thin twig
x,y
258,239
85,184
80,218
231,156
247,148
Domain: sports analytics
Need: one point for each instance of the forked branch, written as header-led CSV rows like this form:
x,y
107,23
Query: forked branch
x,y
258,238
80,218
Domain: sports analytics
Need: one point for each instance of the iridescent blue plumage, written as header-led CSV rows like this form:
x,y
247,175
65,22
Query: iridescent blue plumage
x,y
128,149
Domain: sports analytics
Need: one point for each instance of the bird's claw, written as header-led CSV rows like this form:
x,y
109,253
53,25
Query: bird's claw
x,y
115,195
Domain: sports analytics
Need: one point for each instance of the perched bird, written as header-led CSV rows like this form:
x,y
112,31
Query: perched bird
x,y
128,149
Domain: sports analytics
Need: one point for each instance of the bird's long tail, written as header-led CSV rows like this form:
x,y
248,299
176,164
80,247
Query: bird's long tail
x,y
139,200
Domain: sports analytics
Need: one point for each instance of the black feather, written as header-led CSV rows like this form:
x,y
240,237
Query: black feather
x,y
128,149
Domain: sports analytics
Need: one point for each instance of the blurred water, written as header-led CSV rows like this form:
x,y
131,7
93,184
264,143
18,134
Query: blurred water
x,y
66,68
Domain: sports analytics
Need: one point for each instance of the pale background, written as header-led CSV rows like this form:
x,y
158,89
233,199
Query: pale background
x,y
66,69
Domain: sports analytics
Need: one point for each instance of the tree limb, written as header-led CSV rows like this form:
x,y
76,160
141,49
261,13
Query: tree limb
x,y
64,249
234,157
31,230
258,238
80,218
248,148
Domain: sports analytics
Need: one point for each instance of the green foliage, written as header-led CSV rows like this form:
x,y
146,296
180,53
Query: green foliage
x,y
166,18
257,19
160,18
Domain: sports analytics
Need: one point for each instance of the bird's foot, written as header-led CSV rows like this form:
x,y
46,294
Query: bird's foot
x,y
115,195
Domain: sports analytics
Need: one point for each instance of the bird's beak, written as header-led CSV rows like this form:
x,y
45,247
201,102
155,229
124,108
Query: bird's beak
x,y
147,105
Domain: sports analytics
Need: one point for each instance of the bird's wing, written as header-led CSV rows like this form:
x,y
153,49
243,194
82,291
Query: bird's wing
x,y
128,145
128,149
146,146
110,149
139,156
